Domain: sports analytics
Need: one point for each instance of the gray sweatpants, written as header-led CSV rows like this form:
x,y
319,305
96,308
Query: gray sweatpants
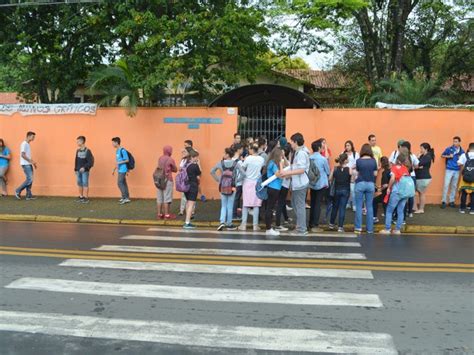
x,y
298,202
3,171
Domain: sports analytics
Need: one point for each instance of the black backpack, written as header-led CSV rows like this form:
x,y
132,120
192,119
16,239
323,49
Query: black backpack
x,y
468,170
131,159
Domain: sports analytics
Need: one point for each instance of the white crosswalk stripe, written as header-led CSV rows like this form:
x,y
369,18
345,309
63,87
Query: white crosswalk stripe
x,y
220,269
235,252
198,293
270,339
250,232
242,241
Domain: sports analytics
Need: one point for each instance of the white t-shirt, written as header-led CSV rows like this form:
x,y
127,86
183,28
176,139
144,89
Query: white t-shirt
x,y
252,166
25,148
414,160
351,159
462,159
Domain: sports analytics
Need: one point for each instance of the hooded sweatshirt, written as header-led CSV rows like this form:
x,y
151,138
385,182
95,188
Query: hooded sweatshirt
x,y
167,163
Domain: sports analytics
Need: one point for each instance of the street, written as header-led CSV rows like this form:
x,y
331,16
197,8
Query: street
x,y
103,289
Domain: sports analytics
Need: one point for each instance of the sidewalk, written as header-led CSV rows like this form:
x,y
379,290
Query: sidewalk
x,y
143,211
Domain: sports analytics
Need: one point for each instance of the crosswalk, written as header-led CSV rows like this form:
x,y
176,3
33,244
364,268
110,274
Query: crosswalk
x,y
218,336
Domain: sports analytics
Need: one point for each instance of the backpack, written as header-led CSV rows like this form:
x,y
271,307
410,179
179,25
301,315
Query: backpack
x,y
227,182
92,159
159,177
261,192
468,170
406,187
182,180
313,172
131,159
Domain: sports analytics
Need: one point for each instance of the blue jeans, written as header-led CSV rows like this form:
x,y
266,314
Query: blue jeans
x,y
365,190
451,178
395,203
28,170
227,207
341,197
82,178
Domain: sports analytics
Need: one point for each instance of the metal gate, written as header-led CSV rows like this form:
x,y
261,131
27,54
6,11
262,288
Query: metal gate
x,y
262,120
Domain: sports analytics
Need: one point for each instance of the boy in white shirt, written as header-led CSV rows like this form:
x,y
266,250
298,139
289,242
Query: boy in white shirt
x,y
27,164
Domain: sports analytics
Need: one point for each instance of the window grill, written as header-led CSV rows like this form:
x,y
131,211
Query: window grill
x,y
266,120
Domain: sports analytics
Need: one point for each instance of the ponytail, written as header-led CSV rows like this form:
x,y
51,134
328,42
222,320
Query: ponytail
x,y
430,150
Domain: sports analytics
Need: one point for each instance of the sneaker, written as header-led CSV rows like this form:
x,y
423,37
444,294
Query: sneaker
x,y
124,201
419,212
288,208
462,211
471,212
452,205
85,200
273,233
231,227
242,228
169,216
121,200
281,229
376,220
17,196
189,226
340,230
316,230
297,233
332,227
80,198
358,231
385,231
396,232
31,198
410,215
256,228
181,213
443,205
364,211
221,227
308,207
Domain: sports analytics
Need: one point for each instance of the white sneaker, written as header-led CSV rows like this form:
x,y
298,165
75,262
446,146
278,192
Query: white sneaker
x,y
272,232
281,229
288,208
242,228
340,230
124,201
256,228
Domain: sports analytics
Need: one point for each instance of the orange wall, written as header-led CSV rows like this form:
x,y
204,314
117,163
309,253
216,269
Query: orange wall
x,y
436,127
144,135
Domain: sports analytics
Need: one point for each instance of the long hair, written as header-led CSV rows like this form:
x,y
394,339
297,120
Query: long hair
x,y
429,149
276,155
366,150
341,159
2,145
351,143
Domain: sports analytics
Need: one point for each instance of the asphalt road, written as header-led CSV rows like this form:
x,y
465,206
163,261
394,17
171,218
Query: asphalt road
x,y
96,289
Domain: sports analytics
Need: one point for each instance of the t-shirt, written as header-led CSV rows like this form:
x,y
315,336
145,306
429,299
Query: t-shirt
x,y
423,171
25,148
342,178
398,171
352,158
121,155
413,158
193,173
271,170
377,151
463,159
3,161
366,169
252,167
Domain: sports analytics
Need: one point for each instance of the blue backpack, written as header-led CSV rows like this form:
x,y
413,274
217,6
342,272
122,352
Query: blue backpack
x,y
261,192
406,187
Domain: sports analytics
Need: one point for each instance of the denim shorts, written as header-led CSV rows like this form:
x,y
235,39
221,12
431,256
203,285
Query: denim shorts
x,y
82,179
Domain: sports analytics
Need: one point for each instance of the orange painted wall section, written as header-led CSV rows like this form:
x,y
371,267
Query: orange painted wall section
x,y
436,127
144,135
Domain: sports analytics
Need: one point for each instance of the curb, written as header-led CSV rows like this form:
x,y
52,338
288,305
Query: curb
x,y
412,229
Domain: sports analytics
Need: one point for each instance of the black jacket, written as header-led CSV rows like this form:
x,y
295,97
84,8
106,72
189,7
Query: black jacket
x,y
84,159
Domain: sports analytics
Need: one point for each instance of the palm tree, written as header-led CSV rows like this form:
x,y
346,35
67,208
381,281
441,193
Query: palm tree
x,y
115,85
415,91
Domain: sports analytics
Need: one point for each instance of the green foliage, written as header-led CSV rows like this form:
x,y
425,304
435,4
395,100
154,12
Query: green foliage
x,y
274,61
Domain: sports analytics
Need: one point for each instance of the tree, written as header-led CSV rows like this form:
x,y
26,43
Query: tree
x,y
282,62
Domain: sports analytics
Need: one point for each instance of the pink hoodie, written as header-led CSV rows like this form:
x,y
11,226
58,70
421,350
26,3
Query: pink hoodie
x,y
167,162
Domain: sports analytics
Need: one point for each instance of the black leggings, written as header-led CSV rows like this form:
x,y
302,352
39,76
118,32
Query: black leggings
x,y
281,207
271,203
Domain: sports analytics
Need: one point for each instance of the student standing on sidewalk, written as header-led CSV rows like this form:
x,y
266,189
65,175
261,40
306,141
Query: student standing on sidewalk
x,y
352,157
27,164
319,189
299,182
167,166
423,176
227,167
83,163
274,167
5,157
252,169
366,168
376,150
386,174
451,177
121,158
466,162
193,173
341,177
239,180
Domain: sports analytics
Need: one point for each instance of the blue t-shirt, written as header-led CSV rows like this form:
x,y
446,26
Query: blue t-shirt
x,y
452,163
4,162
366,168
271,170
122,155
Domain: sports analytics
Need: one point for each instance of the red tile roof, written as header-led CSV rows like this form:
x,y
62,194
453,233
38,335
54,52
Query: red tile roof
x,y
9,98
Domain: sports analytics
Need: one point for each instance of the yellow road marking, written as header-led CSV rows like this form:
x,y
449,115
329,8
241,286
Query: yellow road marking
x,y
237,258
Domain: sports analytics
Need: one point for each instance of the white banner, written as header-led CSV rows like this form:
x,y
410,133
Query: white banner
x,y
48,109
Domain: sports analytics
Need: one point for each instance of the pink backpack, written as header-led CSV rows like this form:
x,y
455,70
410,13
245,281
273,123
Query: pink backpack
x,y
182,180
